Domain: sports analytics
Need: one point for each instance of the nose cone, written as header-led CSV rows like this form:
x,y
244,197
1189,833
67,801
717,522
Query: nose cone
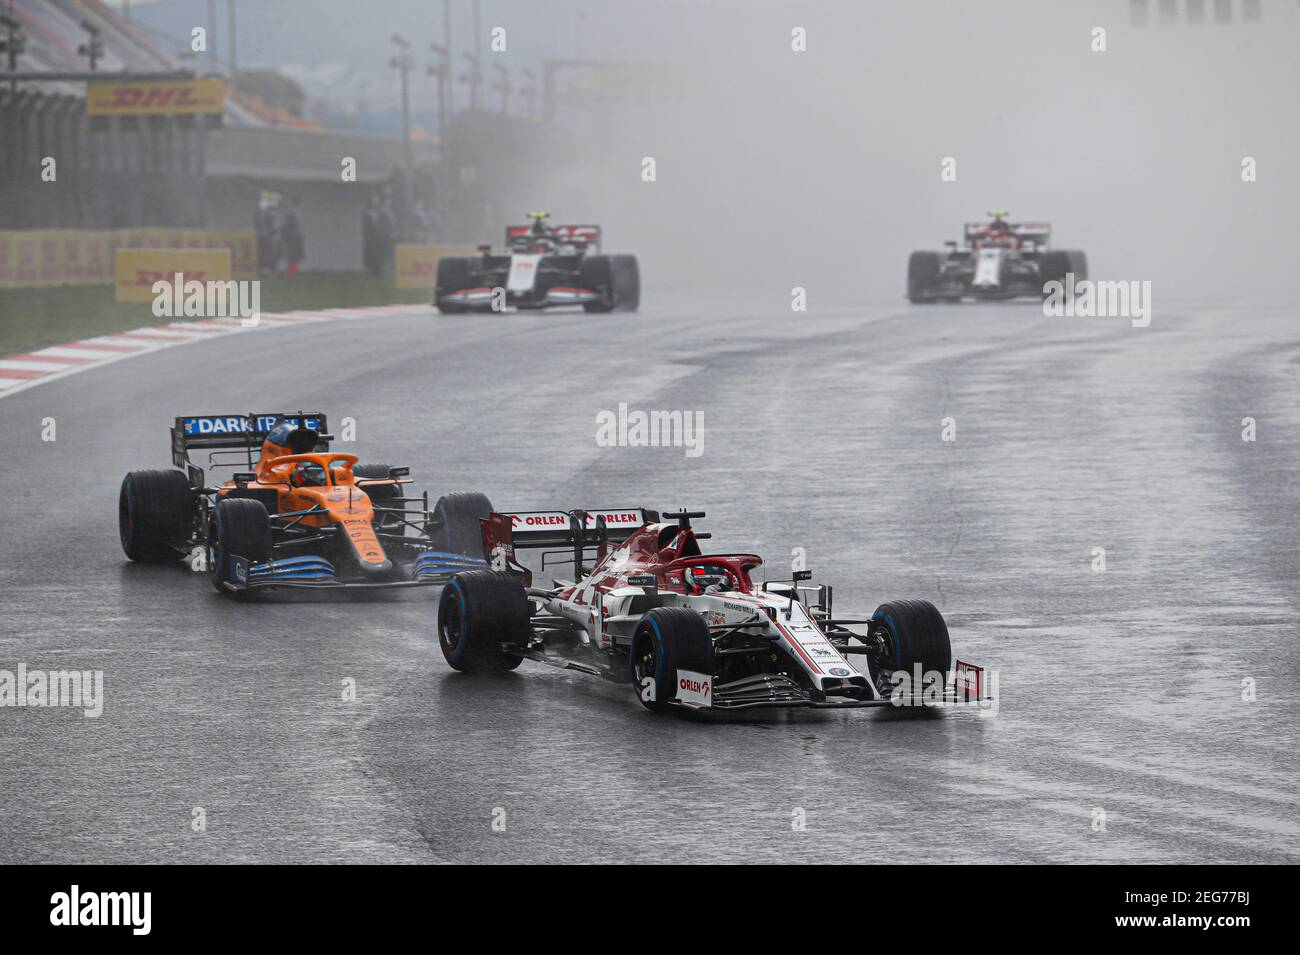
x,y
371,566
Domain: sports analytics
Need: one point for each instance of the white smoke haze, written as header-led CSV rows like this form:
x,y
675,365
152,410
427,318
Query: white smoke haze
x,y
822,168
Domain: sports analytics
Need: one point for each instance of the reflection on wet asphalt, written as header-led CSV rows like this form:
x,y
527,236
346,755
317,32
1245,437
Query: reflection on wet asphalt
x,y
1121,692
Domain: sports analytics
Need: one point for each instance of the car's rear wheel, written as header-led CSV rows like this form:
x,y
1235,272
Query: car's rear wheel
x,y
241,527
482,612
155,514
914,633
455,528
668,640
453,276
922,276
382,495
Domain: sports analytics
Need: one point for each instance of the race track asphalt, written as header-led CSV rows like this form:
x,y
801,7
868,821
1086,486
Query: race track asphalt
x,y
1120,691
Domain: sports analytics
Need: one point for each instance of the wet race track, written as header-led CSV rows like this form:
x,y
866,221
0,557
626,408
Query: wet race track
x,y
1120,691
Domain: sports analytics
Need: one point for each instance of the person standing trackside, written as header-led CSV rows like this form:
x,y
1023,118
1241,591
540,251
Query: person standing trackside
x,y
268,240
385,235
370,236
291,232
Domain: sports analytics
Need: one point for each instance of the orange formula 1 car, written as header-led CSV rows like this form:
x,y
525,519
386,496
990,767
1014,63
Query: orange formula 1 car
x,y
301,515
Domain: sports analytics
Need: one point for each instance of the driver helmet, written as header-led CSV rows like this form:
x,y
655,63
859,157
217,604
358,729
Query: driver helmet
x,y
707,580
306,474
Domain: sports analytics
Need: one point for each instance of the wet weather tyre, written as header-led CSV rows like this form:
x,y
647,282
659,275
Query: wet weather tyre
x,y
383,495
922,276
155,509
453,276
916,633
241,527
1054,264
597,274
667,640
372,472
455,527
627,283
480,610
1078,264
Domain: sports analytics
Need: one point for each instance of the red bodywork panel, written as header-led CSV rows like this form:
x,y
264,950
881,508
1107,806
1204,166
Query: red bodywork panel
x,y
664,550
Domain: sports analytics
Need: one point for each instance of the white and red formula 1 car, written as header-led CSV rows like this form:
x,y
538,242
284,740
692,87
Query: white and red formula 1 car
x,y
689,631
542,266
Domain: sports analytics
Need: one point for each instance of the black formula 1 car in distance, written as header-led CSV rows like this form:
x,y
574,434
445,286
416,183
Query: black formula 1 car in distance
x,y
1000,260
542,266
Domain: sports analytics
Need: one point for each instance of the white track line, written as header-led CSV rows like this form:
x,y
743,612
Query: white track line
x,y
70,358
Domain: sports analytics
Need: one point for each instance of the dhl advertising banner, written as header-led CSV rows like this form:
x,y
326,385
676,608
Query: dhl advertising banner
x,y
44,258
415,265
155,97
137,270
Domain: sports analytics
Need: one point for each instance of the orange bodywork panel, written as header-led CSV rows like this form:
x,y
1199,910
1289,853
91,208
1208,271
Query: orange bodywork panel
x,y
343,503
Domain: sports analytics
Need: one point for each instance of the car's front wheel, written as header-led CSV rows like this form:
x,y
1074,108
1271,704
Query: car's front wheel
x,y
241,528
922,276
453,276
914,633
667,641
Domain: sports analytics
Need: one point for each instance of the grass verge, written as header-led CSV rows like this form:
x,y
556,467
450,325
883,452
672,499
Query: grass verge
x,y
35,317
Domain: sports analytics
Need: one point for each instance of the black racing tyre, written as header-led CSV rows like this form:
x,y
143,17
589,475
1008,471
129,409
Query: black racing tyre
x,y
241,527
667,640
922,275
597,274
453,276
155,509
627,283
1078,264
915,633
455,527
480,610
1052,267
383,495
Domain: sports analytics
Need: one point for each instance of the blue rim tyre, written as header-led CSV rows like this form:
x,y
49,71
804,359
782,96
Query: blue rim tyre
x,y
915,634
483,622
241,527
667,639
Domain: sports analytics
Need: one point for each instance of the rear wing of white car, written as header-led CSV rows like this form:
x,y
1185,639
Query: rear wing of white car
x,y
1030,234
586,238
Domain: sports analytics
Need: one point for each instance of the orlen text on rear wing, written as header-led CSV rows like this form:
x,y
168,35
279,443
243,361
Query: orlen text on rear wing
x,y
238,431
577,530
586,237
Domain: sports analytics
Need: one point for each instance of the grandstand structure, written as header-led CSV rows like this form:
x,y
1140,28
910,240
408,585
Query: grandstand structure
x,y
162,168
